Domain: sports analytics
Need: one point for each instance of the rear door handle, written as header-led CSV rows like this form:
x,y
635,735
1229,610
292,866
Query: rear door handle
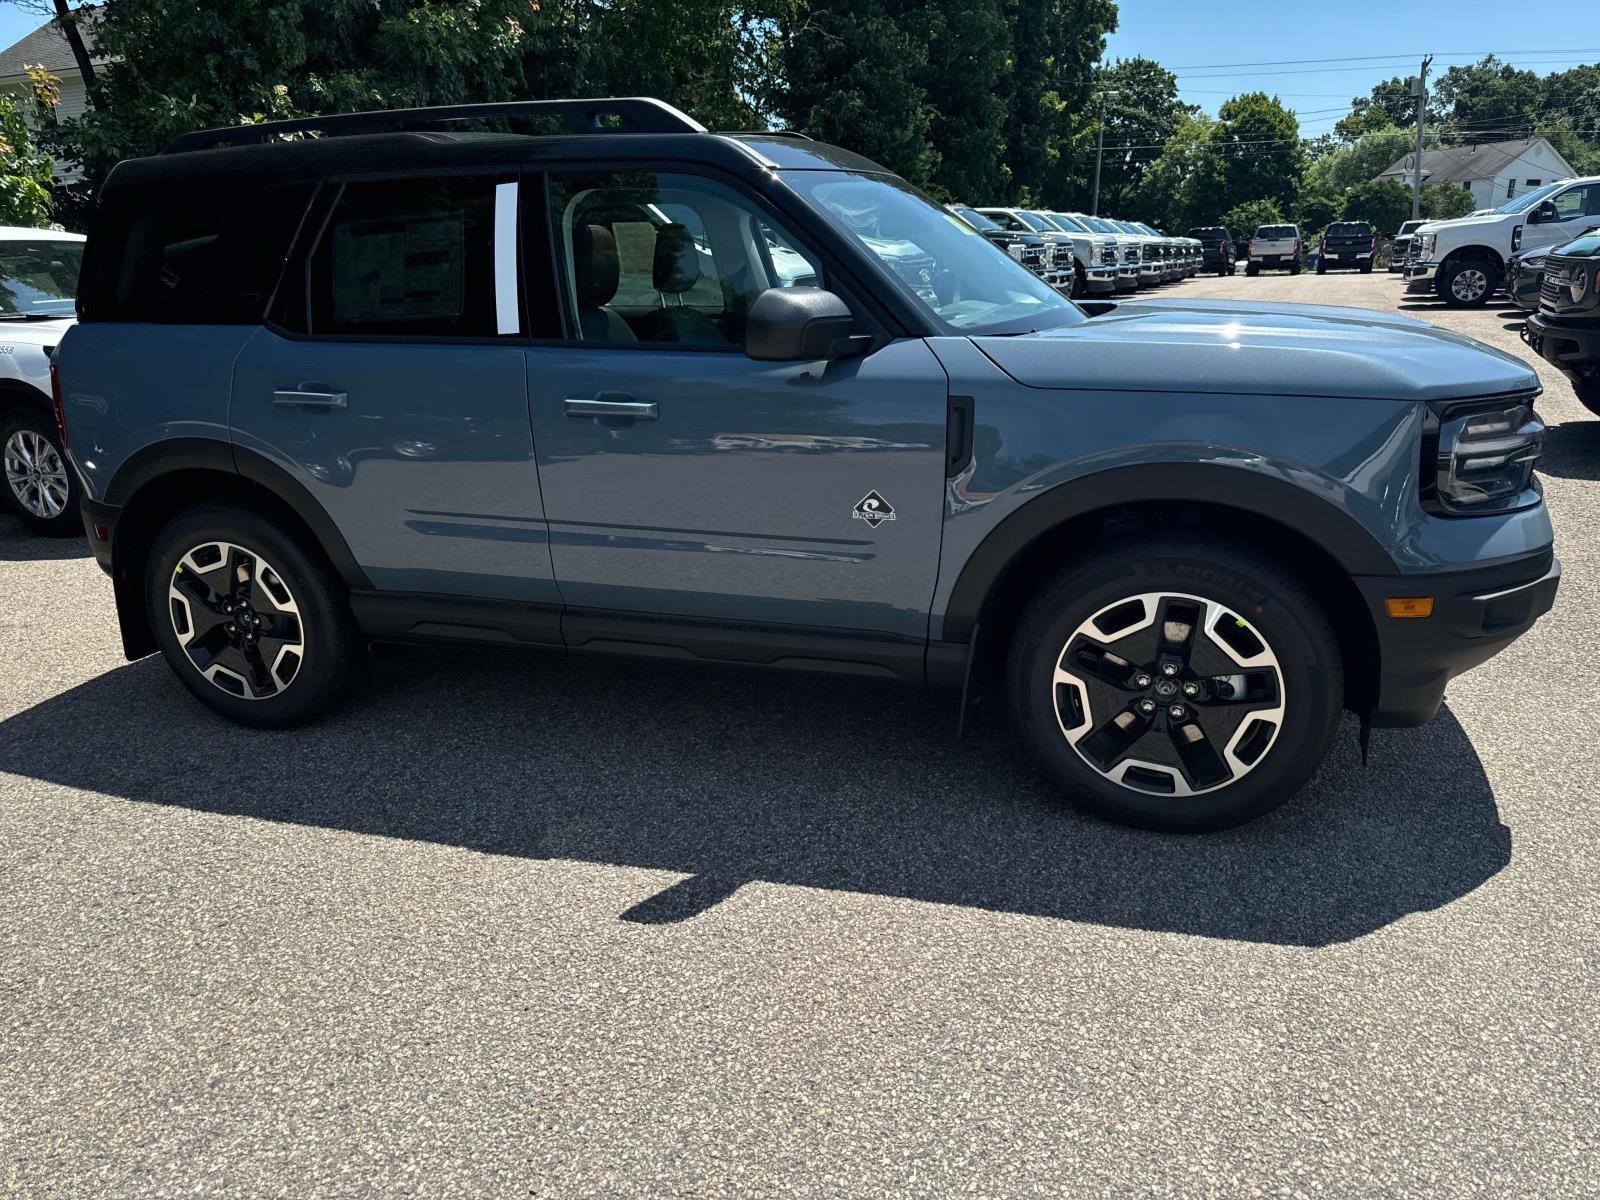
x,y
303,398
610,404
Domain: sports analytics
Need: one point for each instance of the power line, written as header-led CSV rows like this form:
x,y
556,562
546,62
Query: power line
x,y
1405,58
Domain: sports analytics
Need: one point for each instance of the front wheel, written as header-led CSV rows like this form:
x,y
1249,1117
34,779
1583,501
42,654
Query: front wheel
x,y
1184,686
1467,284
40,484
1588,393
250,617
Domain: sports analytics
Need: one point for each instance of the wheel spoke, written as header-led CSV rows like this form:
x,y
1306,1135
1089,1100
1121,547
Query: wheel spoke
x,y
1202,765
1109,744
248,652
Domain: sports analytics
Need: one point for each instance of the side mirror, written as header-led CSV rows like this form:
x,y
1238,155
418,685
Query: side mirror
x,y
1544,213
799,324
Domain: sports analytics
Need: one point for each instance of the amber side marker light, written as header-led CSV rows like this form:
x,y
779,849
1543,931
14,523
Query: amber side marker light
x,y
1409,606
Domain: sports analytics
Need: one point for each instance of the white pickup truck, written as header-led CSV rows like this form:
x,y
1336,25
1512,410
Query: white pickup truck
x,y
1464,261
1275,246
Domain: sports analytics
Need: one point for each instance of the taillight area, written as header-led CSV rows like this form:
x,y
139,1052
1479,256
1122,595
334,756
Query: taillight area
x,y
55,402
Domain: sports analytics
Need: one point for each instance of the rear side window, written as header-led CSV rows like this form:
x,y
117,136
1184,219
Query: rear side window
x,y
407,258
1271,232
1350,229
201,254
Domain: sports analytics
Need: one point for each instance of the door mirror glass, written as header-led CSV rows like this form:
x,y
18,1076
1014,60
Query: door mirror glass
x,y
1545,213
799,324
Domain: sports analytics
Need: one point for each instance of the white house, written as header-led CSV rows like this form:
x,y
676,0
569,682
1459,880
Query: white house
x,y
47,46
1493,172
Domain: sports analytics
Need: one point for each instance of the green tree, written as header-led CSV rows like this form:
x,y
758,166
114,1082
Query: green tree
x,y
1445,201
1382,203
968,56
1244,219
1259,140
1370,156
1186,185
1144,112
1055,45
855,77
1388,105
1487,98
1313,209
25,170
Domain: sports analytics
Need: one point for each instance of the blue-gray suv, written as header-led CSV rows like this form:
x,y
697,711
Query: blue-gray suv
x,y
583,375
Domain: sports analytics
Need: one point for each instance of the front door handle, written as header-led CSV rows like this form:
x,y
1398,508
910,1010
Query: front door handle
x,y
305,398
610,404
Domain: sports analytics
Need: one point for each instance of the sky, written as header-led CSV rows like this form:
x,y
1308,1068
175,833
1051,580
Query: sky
x,y
1187,37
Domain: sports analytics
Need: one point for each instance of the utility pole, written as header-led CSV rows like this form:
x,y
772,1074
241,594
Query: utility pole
x,y
1099,153
1419,91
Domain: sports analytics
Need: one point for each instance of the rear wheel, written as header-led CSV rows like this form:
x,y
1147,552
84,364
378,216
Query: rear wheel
x,y
1177,685
40,485
1467,284
1322,268
1294,269
1252,270
250,618
1366,268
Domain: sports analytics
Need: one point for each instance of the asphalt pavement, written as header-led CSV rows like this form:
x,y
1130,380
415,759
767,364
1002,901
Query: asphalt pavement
x,y
530,926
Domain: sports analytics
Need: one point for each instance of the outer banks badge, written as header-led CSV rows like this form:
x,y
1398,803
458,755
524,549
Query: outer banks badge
x,y
873,509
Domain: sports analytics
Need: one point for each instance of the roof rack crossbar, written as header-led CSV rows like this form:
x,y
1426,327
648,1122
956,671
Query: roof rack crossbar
x,y
632,114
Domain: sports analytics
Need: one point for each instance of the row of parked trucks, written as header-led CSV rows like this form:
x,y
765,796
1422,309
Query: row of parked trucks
x,y
1082,255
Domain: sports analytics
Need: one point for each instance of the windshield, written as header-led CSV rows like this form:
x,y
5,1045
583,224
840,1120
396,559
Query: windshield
x,y
1410,226
975,218
1528,199
1066,223
1035,222
1098,224
39,278
1143,228
951,271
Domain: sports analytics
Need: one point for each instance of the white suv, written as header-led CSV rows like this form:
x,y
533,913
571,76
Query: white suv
x,y
1464,260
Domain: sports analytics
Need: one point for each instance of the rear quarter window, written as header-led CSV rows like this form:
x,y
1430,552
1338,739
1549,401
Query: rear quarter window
x,y
194,253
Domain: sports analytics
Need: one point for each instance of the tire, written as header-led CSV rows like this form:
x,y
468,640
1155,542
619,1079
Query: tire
x,y
1366,268
1295,270
1270,745
301,656
1252,270
1080,282
40,485
1321,269
1224,271
1468,283
1588,393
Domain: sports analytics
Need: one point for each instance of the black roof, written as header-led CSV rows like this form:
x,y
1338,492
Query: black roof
x,y
348,145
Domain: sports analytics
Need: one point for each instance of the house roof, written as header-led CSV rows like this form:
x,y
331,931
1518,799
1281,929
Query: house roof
x,y
1483,160
47,46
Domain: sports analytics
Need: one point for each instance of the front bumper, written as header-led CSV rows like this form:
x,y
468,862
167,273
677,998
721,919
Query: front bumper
x,y
1101,281
1566,345
1476,614
1127,279
1420,276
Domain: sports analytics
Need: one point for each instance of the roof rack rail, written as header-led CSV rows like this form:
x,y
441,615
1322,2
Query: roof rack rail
x,y
774,133
633,114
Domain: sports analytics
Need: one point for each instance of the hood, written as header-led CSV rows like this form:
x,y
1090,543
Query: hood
x,y
1244,348
1492,218
36,333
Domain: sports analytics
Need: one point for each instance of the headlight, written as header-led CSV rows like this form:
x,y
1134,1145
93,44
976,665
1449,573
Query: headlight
x,y
1428,241
1516,238
1578,284
1478,457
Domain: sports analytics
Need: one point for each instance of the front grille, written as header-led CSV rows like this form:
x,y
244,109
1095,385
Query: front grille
x,y
1032,258
1062,256
1131,256
1108,256
1151,253
1551,292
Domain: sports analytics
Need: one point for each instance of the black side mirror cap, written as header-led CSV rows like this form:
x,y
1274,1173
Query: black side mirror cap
x,y
800,324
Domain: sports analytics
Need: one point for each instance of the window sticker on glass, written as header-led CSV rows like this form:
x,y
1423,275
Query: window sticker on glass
x,y
390,270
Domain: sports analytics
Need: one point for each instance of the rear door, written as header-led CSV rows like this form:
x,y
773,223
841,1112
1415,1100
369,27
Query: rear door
x,y
391,383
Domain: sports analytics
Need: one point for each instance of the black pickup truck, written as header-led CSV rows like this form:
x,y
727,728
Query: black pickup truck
x,y
1347,244
1566,329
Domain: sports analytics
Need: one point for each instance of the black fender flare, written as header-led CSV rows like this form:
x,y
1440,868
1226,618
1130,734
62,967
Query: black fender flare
x,y
159,459
25,395
1259,495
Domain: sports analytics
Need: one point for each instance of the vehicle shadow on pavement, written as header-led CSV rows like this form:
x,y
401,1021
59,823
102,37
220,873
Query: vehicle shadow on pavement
x,y
1571,450
18,543
733,777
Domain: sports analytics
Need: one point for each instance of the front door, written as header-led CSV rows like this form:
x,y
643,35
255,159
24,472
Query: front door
x,y
683,480
1577,210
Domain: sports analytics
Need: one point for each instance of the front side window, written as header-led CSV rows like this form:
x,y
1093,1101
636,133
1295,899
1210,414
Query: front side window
x,y
38,278
951,271
1528,199
409,258
1578,202
671,259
